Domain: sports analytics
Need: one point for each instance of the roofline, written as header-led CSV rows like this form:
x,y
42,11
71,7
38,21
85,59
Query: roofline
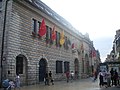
x,y
44,8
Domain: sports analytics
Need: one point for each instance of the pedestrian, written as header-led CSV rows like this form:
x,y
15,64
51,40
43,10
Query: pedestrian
x,y
108,79
112,78
105,79
67,76
95,76
101,83
115,77
17,81
46,78
11,84
72,75
51,78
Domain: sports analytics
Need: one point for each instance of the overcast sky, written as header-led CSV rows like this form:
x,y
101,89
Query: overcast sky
x,y
99,18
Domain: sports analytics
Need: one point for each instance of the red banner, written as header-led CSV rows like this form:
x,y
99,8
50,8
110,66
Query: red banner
x,y
42,30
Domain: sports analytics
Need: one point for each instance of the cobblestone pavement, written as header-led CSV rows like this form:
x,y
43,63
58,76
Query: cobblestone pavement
x,y
84,84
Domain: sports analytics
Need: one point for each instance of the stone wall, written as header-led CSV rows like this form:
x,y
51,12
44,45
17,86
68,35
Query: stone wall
x,y
19,40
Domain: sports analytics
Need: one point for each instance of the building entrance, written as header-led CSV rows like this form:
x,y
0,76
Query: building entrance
x,y
76,63
42,69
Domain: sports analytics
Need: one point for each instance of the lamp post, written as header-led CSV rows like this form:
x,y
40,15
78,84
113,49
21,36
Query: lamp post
x,y
3,35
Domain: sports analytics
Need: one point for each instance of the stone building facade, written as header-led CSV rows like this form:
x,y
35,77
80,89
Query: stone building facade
x,y
23,51
115,53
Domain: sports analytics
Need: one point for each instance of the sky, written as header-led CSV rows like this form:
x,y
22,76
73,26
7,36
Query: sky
x,y
99,18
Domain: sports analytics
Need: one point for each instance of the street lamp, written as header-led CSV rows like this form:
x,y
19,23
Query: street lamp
x,y
3,35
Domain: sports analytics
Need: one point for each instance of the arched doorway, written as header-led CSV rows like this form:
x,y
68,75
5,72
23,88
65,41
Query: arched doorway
x,y
83,67
76,63
42,69
87,64
21,68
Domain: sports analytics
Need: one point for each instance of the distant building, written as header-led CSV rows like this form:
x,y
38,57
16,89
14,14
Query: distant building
x,y
116,47
32,54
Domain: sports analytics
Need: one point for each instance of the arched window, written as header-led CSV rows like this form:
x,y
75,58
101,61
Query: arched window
x,y
19,65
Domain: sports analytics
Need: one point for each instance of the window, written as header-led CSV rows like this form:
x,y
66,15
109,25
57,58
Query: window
x,y
66,66
34,25
57,39
47,34
82,66
19,65
66,43
38,26
51,42
59,67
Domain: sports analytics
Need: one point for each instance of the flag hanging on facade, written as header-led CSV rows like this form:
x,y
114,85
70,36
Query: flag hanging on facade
x,y
42,30
82,48
62,39
93,53
69,43
73,45
53,34
90,53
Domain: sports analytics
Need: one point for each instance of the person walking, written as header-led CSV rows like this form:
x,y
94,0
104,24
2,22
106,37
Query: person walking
x,y
50,77
105,78
67,76
108,79
101,75
72,75
112,77
17,81
95,76
115,77
46,78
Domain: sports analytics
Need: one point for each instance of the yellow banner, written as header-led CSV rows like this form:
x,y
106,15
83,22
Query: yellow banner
x,y
62,39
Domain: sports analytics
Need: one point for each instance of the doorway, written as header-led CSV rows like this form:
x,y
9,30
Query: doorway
x,y
42,69
76,63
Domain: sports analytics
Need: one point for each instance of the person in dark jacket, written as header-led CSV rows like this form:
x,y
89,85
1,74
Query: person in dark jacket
x,y
115,77
112,78
46,79
50,77
101,75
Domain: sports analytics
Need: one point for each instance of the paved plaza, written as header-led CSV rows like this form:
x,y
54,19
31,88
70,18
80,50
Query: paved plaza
x,y
84,84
